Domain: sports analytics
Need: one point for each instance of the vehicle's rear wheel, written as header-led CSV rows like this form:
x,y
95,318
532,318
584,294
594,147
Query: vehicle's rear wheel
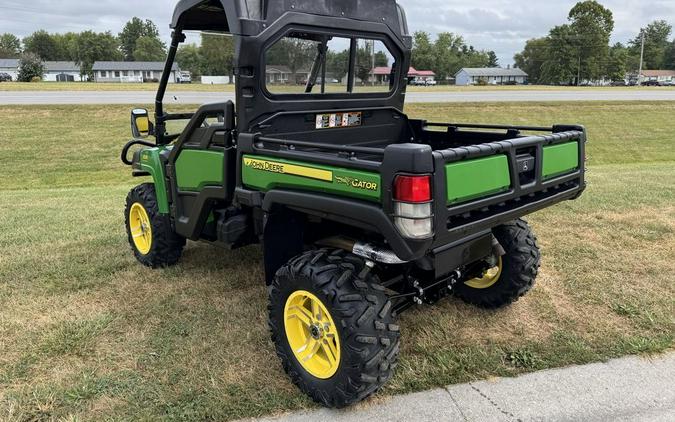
x,y
514,274
150,235
333,328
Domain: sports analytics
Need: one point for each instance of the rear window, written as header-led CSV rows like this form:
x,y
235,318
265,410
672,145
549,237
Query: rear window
x,y
312,63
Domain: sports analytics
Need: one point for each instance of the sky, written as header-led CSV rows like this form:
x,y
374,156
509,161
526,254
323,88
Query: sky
x,y
499,25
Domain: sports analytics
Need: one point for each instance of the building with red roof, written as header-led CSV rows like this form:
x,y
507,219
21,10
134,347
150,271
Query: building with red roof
x,y
382,74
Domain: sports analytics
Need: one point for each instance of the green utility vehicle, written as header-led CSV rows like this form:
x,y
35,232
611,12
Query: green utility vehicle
x,y
361,211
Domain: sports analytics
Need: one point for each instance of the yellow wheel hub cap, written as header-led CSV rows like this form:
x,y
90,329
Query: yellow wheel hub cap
x,y
141,229
490,278
312,334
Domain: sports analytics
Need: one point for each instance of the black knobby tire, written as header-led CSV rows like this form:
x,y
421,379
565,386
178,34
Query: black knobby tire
x,y
167,246
520,266
362,312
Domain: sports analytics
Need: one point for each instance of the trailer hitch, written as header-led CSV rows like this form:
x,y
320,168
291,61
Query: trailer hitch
x,y
419,295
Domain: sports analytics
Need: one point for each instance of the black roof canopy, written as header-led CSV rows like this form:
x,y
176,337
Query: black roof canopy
x,y
251,17
201,15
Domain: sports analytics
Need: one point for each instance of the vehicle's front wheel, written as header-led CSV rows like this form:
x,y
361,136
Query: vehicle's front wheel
x,y
515,273
333,328
150,235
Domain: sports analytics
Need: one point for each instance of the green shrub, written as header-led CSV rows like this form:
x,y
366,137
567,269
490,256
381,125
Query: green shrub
x,y
31,68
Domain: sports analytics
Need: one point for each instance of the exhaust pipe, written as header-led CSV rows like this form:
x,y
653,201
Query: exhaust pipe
x,y
375,253
364,250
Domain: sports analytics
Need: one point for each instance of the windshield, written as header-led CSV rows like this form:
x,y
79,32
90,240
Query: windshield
x,y
315,63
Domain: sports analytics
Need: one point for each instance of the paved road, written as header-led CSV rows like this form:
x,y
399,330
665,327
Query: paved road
x,y
624,390
146,97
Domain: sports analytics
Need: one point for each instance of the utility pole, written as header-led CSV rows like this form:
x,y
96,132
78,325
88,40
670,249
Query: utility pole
x,y
642,56
373,61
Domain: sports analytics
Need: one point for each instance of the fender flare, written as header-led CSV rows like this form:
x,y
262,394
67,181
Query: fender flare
x,y
351,212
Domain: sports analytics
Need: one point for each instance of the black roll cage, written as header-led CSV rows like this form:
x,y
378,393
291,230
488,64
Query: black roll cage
x,y
160,117
256,24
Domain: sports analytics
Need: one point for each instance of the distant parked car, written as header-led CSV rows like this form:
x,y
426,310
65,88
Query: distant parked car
x,y
618,83
184,78
5,77
651,83
423,82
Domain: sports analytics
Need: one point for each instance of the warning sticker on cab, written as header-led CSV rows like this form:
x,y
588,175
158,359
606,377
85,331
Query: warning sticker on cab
x,y
337,120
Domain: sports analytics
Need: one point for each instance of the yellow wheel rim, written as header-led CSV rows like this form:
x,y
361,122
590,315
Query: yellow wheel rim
x,y
312,334
141,229
490,278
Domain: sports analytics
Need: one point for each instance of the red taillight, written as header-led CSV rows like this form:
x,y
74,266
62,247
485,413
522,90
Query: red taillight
x,y
414,189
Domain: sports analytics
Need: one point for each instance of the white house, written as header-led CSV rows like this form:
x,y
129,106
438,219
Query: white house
x,y
279,74
10,66
62,72
54,71
661,76
491,75
132,71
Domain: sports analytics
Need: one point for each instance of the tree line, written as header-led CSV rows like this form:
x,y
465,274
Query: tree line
x,y
138,41
580,50
447,54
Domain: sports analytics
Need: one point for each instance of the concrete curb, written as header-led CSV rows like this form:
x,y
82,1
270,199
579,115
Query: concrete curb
x,y
627,389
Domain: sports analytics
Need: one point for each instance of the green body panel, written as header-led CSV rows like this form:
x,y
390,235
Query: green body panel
x,y
152,164
560,159
266,173
196,169
473,179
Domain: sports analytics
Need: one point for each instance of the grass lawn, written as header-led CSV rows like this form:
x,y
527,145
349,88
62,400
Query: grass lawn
x,y
86,333
86,86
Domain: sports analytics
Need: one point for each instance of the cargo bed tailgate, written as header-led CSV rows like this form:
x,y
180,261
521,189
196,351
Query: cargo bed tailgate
x,y
483,185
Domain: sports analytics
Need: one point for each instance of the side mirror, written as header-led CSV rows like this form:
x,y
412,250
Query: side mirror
x,y
141,126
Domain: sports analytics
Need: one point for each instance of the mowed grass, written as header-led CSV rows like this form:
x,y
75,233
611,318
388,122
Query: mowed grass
x,y
88,86
86,333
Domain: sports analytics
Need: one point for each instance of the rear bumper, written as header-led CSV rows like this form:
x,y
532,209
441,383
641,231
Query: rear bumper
x,y
454,222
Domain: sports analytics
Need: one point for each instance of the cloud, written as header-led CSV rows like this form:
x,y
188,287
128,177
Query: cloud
x,y
499,25
504,26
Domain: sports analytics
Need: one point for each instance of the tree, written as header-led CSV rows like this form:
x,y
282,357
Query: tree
x,y
591,25
31,67
364,62
473,58
617,62
189,57
448,49
42,44
381,59
92,46
423,54
10,46
337,63
135,29
561,65
217,53
66,46
149,49
532,58
295,53
493,61
669,62
447,55
656,36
